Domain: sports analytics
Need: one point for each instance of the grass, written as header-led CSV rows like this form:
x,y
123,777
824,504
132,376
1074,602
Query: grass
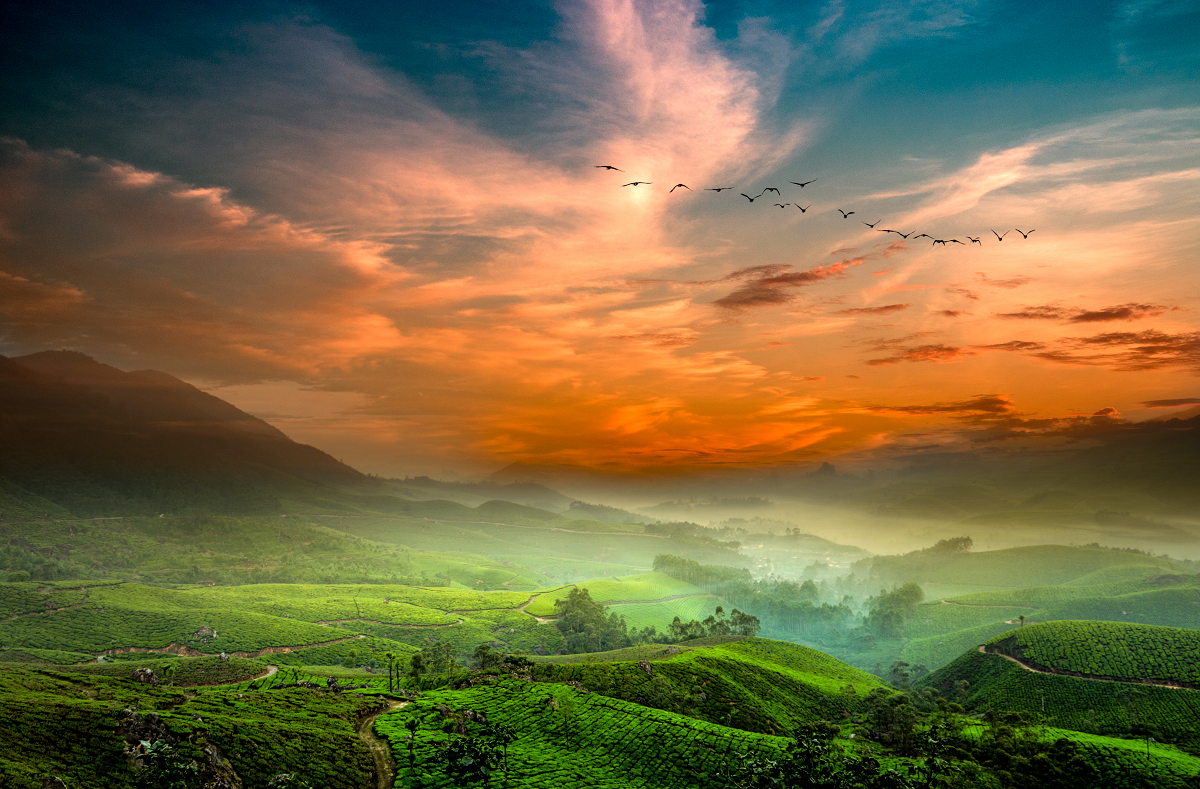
x,y
1088,706
606,743
66,724
1108,649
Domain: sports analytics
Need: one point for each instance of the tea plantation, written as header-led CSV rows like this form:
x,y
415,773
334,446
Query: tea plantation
x,y
1123,709
568,738
1134,653
67,724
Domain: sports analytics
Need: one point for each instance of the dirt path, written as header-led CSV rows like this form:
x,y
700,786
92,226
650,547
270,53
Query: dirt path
x,y
381,751
1028,667
541,619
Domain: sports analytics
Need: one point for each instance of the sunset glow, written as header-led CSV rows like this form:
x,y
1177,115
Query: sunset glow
x,y
391,239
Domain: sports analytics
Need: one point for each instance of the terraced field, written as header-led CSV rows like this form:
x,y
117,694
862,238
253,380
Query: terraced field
x,y
66,724
1128,652
752,684
602,742
1085,705
941,631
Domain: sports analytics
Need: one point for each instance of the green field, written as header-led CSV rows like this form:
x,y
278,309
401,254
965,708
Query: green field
x,y
66,724
1121,709
751,684
1107,649
609,742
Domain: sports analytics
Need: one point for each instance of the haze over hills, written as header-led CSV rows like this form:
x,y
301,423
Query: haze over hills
x,y
152,527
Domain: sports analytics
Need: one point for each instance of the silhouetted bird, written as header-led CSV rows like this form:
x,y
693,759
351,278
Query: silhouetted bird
x,y
803,208
769,189
937,241
637,183
685,186
801,185
897,232
844,214
719,189
868,224
975,241
923,235
1000,237
956,241
1022,232
609,167
783,205
748,197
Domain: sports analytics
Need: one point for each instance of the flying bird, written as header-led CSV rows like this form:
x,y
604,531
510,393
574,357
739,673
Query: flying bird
x,y
897,232
783,205
719,189
609,167
637,183
803,208
956,241
975,241
1000,237
801,185
1023,233
868,224
685,186
923,235
769,189
844,214
937,241
748,197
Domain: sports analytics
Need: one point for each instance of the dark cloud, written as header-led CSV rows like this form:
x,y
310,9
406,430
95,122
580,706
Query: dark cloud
x,y
1121,312
924,353
1057,312
979,404
1175,403
884,310
951,313
965,293
769,285
1146,350
1046,312
1015,282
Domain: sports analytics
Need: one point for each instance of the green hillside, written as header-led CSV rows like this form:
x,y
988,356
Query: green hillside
x,y
1027,566
601,742
70,725
1128,652
751,684
1121,709
643,587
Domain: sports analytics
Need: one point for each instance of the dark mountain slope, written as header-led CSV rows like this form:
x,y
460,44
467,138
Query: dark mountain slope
x,y
98,441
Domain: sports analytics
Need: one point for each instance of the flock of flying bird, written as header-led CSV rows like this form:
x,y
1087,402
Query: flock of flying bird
x,y
845,214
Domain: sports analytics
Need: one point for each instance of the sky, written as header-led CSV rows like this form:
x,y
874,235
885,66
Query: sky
x,y
385,228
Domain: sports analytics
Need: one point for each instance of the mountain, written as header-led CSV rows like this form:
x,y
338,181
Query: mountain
x,y
96,440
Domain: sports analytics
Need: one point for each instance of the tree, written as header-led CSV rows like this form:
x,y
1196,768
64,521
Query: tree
x,y
165,768
416,665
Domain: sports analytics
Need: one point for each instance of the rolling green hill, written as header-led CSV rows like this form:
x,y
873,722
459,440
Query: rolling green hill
x,y
1122,709
69,725
751,684
1117,650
